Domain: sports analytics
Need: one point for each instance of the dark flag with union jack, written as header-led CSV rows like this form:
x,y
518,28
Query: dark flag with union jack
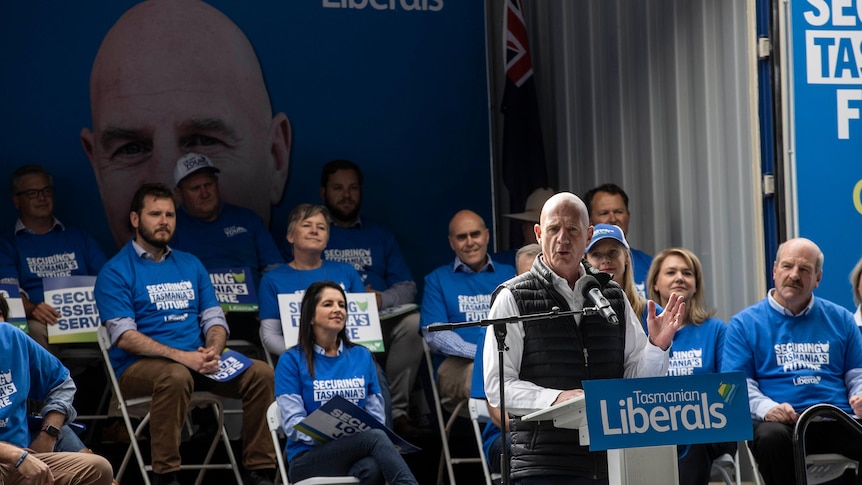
x,y
523,164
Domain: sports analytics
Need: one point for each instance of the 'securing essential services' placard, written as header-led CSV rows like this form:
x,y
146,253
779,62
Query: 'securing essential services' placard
x,y
73,297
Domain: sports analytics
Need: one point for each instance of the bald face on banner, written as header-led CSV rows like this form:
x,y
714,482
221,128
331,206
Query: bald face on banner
x,y
178,76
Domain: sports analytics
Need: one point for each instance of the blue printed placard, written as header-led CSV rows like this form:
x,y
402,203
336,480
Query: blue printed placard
x,y
74,298
631,413
231,364
234,289
16,315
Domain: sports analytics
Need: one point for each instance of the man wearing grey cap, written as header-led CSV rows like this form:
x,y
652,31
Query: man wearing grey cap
x,y
221,235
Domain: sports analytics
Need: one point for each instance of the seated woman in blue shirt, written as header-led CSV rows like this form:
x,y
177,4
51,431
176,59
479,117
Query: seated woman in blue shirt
x,y
697,345
326,359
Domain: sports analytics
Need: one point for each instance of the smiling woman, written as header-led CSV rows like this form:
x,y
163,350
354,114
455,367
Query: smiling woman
x,y
697,345
308,234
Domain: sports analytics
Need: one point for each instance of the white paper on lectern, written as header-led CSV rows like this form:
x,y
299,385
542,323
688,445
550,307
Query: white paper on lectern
x,y
571,414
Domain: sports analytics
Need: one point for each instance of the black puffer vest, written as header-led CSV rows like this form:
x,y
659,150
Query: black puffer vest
x,y
560,354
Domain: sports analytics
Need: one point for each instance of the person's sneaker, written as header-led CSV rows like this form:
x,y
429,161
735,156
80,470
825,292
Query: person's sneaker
x,y
259,477
165,479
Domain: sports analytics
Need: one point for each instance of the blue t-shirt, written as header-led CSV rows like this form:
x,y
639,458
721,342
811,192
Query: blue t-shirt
x,y
372,250
237,238
641,262
61,251
801,360
452,296
351,375
27,371
697,349
165,299
284,279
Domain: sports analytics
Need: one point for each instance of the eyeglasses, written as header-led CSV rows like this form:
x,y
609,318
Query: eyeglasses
x,y
35,193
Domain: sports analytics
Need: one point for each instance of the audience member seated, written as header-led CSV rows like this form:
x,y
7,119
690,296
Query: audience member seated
x,y
40,246
307,232
221,235
796,350
856,283
30,372
324,355
528,219
609,204
460,292
525,257
374,253
697,345
609,252
168,333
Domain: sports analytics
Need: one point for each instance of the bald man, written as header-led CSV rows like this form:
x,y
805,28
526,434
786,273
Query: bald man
x,y
178,76
796,350
582,348
460,292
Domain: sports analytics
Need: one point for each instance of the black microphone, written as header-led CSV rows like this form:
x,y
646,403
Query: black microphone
x,y
591,290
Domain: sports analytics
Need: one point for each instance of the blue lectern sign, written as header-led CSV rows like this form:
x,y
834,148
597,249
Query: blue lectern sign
x,y
630,413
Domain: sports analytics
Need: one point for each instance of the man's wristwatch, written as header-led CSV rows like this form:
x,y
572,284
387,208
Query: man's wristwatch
x,y
52,430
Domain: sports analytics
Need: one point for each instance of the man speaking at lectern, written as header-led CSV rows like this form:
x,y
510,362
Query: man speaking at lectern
x,y
547,360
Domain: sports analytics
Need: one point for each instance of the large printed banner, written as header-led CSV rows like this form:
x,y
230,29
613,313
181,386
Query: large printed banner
x,y
108,94
363,322
827,115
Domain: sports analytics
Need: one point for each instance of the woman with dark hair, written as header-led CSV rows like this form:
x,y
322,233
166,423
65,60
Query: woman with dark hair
x,y
326,359
697,345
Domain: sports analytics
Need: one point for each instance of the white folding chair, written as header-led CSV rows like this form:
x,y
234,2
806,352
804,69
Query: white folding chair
x,y
197,399
821,468
724,468
445,426
825,467
273,420
479,416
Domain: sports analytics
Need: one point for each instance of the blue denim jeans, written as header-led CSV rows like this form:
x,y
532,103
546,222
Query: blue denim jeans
x,y
370,456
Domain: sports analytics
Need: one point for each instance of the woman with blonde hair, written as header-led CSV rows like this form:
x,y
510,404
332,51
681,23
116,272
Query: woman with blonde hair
x,y
697,345
609,252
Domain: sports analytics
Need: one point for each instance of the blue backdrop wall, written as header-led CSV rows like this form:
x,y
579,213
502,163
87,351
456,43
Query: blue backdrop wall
x,y
399,86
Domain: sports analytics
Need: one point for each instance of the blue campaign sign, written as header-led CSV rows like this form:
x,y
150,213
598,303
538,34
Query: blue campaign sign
x,y
631,413
826,55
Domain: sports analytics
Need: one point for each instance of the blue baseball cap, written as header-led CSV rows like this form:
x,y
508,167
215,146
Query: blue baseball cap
x,y
605,231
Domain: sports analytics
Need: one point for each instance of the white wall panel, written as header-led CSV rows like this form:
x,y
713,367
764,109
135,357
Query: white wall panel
x,y
658,96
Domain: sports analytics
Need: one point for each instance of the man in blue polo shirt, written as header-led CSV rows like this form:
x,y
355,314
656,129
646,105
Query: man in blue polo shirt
x,y
460,291
40,246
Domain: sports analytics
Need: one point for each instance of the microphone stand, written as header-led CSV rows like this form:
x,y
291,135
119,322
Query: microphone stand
x,y
500,333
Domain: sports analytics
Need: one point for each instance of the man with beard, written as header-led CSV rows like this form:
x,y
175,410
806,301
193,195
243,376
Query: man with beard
x,y
374,252
796,351
168,332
